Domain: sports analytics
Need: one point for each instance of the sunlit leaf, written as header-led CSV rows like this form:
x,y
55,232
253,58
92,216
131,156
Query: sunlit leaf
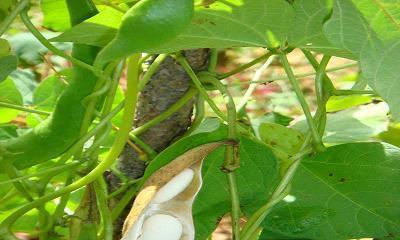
x,y
350,191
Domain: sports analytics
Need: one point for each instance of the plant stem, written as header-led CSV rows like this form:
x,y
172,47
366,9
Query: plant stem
x,y
319,81
10,17
12,173
212,65
346,92
311,124
151,153
235,208
52,171
273,79
101,135
314,63
119,143
253,85
25,19
123,188
245,66
22,108
100,188
164,115
231,161
186,66
199,116
152,69
78,145
322,90
279,193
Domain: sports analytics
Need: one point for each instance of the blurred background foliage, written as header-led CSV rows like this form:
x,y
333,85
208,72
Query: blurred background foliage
x,y
41,76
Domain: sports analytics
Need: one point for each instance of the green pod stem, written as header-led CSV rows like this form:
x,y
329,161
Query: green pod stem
x,y
60,130
145,26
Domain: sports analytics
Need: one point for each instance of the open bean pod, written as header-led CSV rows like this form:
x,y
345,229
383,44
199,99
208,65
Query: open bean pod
x,y
163,208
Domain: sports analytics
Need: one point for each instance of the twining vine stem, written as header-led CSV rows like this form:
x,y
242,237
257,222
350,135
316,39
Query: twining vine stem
x,y
186,66
302,75
254,222
11,16
253,85
300,96
24,109
27,22
118,145
245,66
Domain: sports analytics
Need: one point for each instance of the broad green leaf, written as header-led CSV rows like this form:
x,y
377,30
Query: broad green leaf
x,y
55,13
88,33
307,31
7,131
48,91
209,124
24,80
9,94
29,50
284,141
370,29
273,117
7,65
391,135
5,47
183,145
6,6
256,179
262,23
350,191
338,103
97,30
354,124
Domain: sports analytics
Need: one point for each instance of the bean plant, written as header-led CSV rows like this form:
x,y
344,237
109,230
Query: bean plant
x,y
320,177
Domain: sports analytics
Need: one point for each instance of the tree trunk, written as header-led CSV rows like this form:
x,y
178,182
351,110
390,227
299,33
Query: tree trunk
x,y
165,88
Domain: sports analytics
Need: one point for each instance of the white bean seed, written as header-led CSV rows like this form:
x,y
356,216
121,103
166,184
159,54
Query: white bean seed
x,y
175,186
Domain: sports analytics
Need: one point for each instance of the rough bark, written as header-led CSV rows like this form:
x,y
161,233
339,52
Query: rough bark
x,y
165,88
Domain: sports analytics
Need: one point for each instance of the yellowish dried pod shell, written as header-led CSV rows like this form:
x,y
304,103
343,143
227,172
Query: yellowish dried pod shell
x,y
177,197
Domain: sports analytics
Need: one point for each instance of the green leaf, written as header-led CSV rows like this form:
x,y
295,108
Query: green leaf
x,y
9,94
256,178
265,23
156,21
25,82
354,124
391,135
55,13
183,145
48,91
7,131
6,7
285,142
273,117
338,103
7,65
5,47
349,191
307,31
370,29
29,50
262,23
88,33
98,30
